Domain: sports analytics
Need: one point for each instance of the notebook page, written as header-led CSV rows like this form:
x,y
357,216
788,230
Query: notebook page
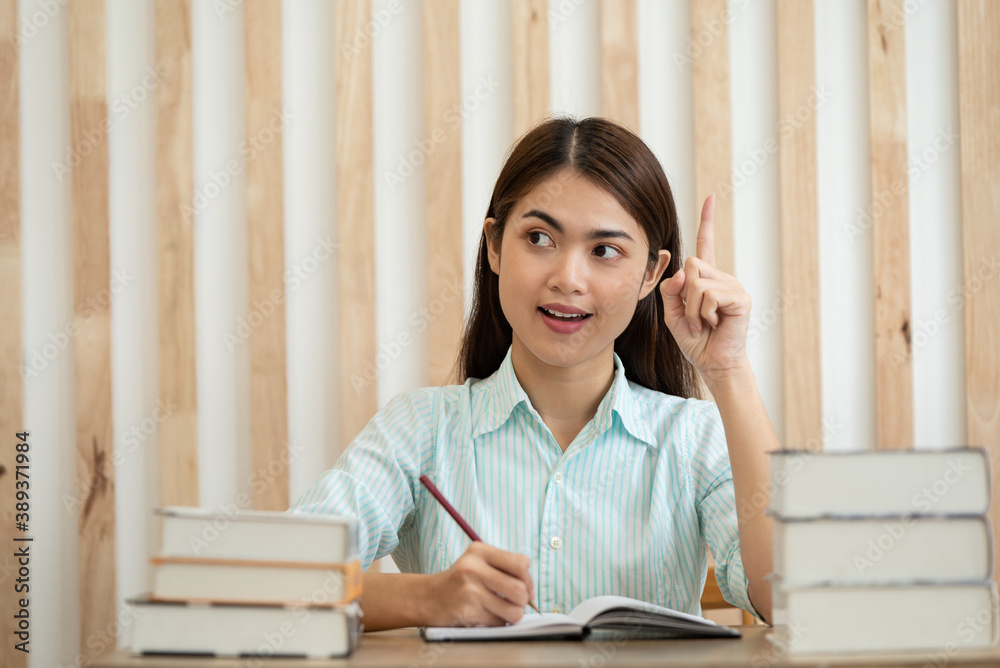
x,y
530,624
592,607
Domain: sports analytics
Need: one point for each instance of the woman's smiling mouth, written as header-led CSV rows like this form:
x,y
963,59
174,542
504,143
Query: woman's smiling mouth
x,y
563,320
562,315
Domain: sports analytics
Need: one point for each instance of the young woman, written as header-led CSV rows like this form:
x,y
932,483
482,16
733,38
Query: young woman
x,y
576,447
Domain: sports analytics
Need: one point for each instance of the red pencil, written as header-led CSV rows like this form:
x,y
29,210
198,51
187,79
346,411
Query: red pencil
x,y
432,488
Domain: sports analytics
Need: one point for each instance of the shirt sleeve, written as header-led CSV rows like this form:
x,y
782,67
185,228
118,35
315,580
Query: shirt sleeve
x,y
375,477
716,502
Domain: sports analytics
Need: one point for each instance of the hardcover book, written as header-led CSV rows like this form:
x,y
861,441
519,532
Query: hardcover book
x,y
903,549
891,618
253,581
258,534
244,630
879,482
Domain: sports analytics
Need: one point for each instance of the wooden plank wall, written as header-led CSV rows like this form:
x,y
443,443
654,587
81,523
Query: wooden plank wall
x,y
442,96
530,53
801,371
266,248
713,142
95,471
11,342
979,99
620,62
175,233
890,225
356,216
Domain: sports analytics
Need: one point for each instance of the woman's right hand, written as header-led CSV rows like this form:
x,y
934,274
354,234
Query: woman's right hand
x,y
485,586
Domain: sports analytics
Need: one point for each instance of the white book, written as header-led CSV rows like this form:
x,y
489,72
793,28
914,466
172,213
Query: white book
x,y
258,534
903,549
612,613
882,482
244,630
247,581
891,618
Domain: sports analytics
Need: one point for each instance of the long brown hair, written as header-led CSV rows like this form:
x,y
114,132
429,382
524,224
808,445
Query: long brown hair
x,y
617,161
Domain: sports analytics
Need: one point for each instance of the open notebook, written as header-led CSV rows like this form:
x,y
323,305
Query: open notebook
x,y
613,613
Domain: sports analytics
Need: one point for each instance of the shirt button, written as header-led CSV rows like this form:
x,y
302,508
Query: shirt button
x,y
558,478
555,543
556,609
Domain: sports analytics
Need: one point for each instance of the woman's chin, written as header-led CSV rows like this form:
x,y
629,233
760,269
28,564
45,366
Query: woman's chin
x,y
561,354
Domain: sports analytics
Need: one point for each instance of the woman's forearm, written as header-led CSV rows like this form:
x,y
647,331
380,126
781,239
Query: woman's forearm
x,y
750,436
394,600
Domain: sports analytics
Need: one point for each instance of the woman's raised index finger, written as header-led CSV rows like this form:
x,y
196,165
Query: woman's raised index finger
x,y
706,232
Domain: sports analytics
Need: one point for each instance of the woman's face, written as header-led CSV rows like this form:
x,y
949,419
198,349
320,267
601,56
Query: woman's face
x,y
572,266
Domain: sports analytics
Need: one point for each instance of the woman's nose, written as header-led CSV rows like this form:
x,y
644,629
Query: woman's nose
x,y
570,273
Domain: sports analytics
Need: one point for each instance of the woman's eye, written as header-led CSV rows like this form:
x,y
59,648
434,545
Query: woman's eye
x,y
539,239
607,252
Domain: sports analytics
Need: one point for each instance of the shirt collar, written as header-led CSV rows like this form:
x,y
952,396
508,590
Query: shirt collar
x,y
503,393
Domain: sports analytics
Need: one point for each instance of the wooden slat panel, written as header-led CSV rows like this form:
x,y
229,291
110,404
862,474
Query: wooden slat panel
x,y
799,234
712,128
266,247
531,63
979,96
175,230
620,62
443,91
95,472
890,226
355,217
11,343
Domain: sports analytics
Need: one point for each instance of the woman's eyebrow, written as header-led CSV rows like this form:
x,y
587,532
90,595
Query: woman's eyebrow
x,y
598,233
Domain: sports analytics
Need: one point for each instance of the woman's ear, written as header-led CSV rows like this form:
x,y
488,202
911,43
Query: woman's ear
x,y
652,276
492,250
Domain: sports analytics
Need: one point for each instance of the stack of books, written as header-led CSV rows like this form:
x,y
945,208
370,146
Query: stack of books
x,y
882,551
252,583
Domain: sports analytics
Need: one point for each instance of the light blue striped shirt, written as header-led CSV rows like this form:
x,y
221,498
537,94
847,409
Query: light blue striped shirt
x,y
626,510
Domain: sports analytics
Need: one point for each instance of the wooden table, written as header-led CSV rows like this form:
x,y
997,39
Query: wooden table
x,y
405,648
